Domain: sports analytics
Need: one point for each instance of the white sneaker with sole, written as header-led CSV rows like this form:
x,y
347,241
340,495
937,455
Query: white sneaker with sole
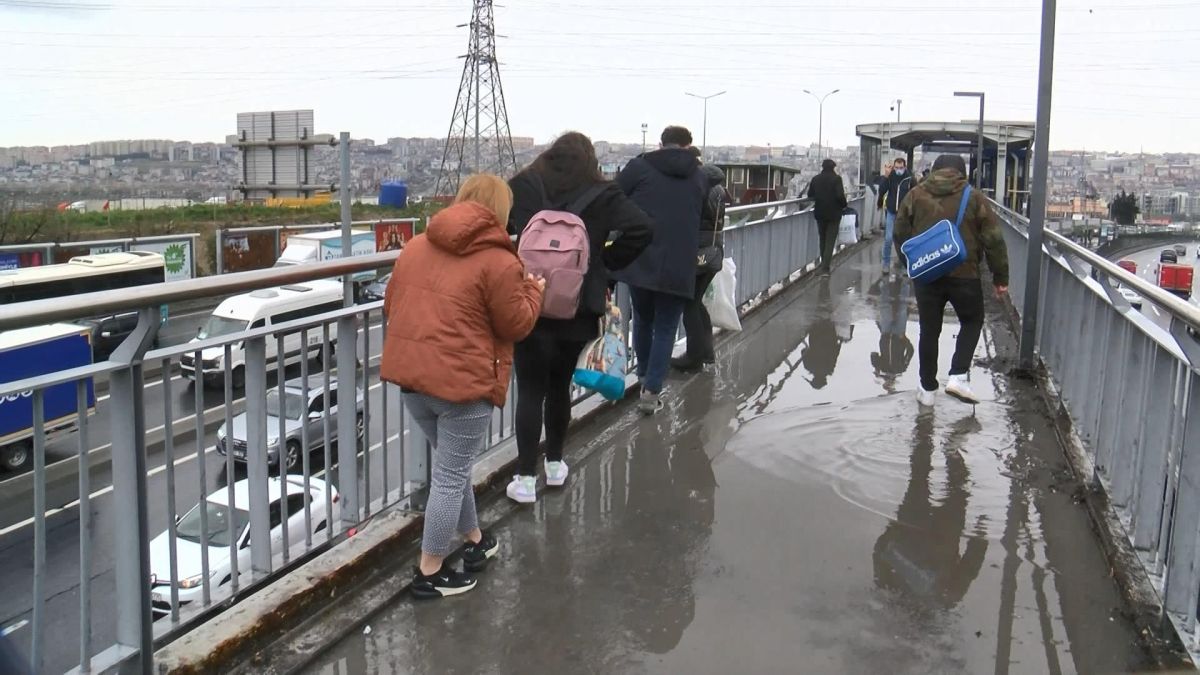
x,y
556,473
926,398
523,489
959,386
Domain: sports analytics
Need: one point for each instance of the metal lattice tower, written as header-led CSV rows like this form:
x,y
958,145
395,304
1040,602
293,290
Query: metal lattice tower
x,y
479,138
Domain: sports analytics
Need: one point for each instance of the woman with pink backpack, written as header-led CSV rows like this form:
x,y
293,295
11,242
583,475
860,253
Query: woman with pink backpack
x,y
575,227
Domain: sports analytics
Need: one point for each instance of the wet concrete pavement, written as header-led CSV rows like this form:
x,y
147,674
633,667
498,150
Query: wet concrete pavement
x,y
791,512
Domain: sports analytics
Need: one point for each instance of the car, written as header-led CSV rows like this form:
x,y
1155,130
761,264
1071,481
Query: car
x,y
1130,296
227,525
1180,250
373,292
1168,255
298,412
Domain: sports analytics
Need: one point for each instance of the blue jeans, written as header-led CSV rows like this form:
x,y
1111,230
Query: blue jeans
x,y
889,230
655,326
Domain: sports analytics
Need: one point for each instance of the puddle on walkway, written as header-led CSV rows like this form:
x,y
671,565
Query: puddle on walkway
x,y
793,512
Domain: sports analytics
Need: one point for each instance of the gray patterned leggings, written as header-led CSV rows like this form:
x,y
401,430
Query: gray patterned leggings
x,y
458,433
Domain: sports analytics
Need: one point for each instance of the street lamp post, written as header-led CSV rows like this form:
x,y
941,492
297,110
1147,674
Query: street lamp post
x,y
979,158
896,107
644,128
821,120
704,132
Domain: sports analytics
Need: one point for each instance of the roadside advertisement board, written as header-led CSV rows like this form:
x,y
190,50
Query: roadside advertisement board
x,y
245,252
177,256
393,235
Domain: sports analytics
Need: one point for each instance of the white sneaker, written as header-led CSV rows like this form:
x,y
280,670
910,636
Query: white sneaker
x,y
926,398
959,386
556,473
523,489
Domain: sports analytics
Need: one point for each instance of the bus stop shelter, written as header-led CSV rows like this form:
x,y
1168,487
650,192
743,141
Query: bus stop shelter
x,y
1006,151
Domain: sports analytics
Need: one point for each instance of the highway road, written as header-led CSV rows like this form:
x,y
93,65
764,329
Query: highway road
x,y
62,545
1147,263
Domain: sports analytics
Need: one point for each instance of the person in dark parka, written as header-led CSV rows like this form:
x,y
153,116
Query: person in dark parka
x,y
545,361
829,197
696,321
670,187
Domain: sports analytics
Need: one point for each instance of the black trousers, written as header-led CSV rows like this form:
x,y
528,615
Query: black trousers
x,y
966,297
828,232
544,367
698,324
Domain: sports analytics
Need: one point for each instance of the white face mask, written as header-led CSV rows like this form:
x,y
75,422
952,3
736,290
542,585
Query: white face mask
x,y
899,170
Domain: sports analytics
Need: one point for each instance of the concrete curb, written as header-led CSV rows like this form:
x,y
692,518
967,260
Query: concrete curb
x,y
231,641
1157,635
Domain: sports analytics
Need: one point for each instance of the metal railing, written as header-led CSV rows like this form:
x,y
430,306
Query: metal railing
x,y
1132,388
190,524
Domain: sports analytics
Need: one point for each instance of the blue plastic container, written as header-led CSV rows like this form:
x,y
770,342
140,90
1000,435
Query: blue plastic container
x,y
394,194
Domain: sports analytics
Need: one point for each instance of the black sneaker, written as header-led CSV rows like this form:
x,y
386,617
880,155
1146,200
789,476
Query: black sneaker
x,y
477,556
686,365
440,584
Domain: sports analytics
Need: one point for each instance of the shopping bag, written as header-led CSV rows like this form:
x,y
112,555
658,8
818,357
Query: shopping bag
x,y
848,228
604,362
721,298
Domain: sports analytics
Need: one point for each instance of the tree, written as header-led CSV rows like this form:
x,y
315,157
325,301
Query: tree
x,y
1124,209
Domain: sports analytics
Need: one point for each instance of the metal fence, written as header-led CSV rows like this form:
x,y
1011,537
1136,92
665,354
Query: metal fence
x,y
1132,388
286,439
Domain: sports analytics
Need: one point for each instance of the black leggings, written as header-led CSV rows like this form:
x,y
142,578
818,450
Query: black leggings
x,y
544,369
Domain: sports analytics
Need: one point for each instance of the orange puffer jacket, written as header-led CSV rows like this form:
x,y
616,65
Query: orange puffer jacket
x,y
457,301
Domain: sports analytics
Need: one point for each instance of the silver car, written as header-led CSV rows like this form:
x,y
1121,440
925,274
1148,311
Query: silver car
x,y
297,412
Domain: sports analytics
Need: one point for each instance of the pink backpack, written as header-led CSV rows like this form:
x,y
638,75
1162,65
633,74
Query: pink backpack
x,y
555,245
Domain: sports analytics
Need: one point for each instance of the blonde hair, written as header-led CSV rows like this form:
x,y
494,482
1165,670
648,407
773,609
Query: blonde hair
x,y
490,191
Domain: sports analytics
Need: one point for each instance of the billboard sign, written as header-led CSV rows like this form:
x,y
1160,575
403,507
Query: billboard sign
x,y
177,257
393,235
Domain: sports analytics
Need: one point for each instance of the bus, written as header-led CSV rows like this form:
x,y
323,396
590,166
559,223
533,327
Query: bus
x,y
87,274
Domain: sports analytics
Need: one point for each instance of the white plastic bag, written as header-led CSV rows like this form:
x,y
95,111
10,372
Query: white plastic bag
x,y
848,230
721,298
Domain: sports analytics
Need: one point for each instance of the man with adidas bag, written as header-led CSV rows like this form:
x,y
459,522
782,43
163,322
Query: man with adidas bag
x,y
944,231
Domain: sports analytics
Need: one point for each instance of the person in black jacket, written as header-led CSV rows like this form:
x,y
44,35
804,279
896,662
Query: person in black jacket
x,y
696,321
891,195
545,361
829,197
670,187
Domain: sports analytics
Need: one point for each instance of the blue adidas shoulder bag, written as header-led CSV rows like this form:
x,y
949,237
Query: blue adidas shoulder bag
x,y
935,252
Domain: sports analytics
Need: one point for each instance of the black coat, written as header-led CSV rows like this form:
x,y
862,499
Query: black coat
x,y
894,189
610,213
668,185
828,195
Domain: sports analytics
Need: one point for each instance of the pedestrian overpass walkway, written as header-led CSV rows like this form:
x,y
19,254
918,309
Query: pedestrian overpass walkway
x,y
792,511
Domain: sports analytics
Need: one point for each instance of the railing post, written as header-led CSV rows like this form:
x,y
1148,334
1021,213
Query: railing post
x,y
131,532
219,237
257,469
347,362
1037,212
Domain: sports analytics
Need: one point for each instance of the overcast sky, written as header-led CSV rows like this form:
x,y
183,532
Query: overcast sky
x,y
73,71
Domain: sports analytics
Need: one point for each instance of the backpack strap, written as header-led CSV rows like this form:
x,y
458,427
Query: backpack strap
x,y
962,207
577,207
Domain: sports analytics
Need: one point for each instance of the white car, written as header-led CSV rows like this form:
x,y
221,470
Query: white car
x,y
189,577
1130,296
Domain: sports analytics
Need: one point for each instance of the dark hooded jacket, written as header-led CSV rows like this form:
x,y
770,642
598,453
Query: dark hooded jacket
x,y
611,218
894,189
670,187
937,198
828,195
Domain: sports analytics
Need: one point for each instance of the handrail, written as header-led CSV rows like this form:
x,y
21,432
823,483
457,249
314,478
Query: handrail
x,y
40,312
764,205
1179,308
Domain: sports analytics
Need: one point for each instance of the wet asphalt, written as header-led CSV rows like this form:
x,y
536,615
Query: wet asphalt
x,y
792,511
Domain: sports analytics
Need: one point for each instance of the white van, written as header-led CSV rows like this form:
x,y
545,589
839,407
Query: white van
x,y
271,306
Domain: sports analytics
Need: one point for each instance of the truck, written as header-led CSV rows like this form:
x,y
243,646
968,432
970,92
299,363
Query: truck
x,y
1176,279
320,246
1128,265
29,352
